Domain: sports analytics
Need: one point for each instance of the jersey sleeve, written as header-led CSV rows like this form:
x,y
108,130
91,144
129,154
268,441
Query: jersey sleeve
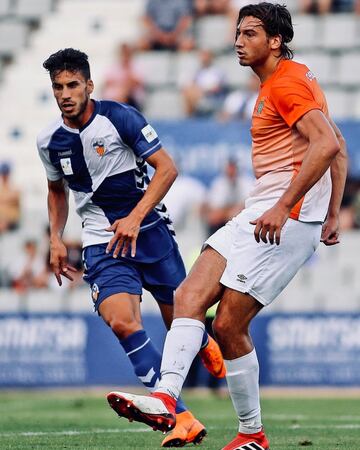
x,y
138,134
293,98
51,172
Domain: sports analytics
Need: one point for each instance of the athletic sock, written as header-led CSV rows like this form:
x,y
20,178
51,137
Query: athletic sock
x,y
146,361
205,340
242,375
182,344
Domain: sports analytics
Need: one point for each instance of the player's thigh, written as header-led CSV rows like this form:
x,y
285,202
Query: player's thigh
x,y
161,278
201,288
115,281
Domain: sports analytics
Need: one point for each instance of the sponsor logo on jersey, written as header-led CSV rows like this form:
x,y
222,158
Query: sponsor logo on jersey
x,y
149,133
95,292
98,145
65,153
242,278
66,166
310,75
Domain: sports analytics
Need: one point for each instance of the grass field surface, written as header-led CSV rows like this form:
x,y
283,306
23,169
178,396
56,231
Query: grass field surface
x,y
83,420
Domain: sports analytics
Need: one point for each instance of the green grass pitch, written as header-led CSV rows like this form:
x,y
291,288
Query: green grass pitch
x,y
82,420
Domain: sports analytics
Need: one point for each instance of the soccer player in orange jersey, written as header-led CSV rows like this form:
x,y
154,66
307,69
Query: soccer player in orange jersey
x,y
299,160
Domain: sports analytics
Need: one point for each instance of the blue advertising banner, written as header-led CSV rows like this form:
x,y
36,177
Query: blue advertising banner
x,y
39,350
65,350
308,349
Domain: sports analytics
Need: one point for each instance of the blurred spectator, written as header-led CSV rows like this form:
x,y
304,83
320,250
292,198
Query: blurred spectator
x,y
350,205
204,7
239,105
123,81
185,195
168,25
345,6
9,200
205,92
226,196
29,270
315,6
74,249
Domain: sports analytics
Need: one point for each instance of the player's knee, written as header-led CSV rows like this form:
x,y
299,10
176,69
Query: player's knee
x,y
187,302
225,325
124,327
220,327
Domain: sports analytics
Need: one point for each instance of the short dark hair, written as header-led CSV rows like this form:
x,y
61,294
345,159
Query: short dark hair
x,y
68,59
277,21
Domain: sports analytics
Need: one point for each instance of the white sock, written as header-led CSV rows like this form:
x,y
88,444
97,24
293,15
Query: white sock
x,y
242,375
183,341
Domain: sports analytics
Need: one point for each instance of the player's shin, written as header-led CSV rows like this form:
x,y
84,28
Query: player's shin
x,y
182,344
146,361
243,382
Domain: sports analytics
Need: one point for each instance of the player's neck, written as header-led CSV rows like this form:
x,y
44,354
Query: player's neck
x,y
82,119
265,71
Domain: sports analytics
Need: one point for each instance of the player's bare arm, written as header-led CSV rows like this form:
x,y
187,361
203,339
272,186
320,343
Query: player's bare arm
x,y
330,231
126,230
58,212
323,148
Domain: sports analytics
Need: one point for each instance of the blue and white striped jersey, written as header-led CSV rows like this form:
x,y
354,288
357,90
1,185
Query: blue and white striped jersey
x,y
104,165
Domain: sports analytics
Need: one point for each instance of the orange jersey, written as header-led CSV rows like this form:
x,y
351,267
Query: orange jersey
x,y
278,148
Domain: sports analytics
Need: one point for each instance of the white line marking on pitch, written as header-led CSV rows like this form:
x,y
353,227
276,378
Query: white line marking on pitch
x,y
349,426
142,430
75,432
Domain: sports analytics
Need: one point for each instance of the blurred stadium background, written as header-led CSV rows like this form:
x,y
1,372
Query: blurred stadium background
x,y
49,336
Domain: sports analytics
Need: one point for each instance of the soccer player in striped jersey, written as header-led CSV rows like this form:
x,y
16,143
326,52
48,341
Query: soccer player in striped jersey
x,y
299,159
100,150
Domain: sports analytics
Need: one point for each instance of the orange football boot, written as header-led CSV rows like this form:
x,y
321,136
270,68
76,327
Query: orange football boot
x,y
187,430
212,359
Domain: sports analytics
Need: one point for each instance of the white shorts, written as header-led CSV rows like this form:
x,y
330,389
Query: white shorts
x,y
259,269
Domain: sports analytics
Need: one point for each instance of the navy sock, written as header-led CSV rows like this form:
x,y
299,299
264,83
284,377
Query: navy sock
x,y
205,340
146,360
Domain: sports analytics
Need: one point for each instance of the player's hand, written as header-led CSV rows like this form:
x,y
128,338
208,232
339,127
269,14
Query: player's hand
x,y
268,226
58,262
126,232
330,231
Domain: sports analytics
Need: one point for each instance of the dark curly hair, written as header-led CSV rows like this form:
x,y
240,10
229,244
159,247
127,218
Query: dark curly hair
x,y
68,59
276,20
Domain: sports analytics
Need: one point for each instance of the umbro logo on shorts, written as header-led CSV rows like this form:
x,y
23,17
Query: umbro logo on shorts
x,y
242,278
250,446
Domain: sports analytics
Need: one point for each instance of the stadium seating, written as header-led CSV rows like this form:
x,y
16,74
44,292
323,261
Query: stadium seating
x,y
5,8
213,33
306,32
32,11
18,32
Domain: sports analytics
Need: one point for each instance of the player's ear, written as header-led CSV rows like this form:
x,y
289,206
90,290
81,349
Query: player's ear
x,y
275,42
89,86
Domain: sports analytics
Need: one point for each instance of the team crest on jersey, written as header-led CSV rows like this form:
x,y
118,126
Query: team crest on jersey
x,y
310,75
260,106
95,292
98,145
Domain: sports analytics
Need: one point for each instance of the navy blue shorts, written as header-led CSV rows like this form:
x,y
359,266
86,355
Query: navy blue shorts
x,y
108,276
